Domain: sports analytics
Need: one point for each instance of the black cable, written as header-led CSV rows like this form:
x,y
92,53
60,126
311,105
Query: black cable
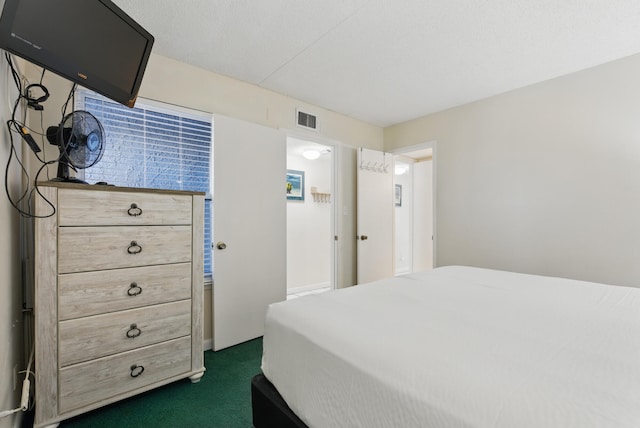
x,y
62,143
16,203
72,94
42,134
6,177
12,151
13,125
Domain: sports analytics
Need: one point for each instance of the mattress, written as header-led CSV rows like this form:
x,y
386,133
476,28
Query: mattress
x,y
459,347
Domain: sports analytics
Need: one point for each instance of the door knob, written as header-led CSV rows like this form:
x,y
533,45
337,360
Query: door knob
x,y
362,237
221,245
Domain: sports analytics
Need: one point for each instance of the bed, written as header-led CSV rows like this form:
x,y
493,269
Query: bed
x,y
453,347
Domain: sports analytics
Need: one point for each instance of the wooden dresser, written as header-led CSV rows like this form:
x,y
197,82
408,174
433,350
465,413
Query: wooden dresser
x,y
118,295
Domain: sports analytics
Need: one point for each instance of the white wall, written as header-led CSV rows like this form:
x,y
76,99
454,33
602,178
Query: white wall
x,y
309,226
544,179
11,322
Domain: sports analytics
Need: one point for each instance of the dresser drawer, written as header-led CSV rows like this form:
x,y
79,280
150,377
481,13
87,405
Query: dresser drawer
x,y
97,248
92,293
97,208
90,382
83,339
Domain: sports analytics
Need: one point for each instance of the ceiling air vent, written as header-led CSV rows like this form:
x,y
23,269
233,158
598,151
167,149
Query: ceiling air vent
x,y
307,120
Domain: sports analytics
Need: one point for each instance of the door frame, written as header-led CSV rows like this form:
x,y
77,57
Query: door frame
x,y
334,145
432,144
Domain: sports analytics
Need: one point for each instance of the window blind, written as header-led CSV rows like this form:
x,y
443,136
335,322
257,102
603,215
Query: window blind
x,y
156,146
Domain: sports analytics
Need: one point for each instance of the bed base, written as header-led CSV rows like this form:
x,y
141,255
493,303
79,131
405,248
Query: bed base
x,y
269,408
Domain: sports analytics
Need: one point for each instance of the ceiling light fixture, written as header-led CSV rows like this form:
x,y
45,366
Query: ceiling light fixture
x,y
400,169
311,154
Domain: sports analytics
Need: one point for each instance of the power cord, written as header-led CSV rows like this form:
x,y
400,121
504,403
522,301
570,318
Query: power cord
x,y
26,197
26,386
23,203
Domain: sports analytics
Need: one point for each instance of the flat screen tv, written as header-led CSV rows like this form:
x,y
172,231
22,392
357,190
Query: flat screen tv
x,y
90,42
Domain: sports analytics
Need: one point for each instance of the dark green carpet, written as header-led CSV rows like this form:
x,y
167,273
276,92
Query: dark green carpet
x,y
221,399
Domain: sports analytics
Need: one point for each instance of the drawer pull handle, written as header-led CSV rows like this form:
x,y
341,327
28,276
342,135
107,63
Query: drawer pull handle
x,y
134,211
133,331
136,370
134,248
134,289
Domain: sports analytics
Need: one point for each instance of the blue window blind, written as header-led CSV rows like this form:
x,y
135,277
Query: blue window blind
x,y
154,146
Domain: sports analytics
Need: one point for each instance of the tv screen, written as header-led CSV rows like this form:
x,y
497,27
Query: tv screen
x,y
90,42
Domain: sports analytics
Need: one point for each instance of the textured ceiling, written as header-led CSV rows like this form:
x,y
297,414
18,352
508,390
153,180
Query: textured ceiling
x,y
388,61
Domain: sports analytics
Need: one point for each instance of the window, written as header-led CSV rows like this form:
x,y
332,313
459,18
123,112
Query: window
x,y
155,146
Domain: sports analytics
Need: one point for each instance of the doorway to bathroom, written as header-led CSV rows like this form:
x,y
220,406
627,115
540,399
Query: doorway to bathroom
x,y
310,217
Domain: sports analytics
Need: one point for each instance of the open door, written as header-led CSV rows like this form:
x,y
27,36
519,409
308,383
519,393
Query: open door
x,y
375,215
249,228
423,213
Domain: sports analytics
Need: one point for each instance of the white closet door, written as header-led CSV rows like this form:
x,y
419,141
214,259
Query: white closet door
x,y
375,215
249,228
423,215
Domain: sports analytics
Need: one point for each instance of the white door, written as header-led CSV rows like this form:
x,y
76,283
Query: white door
x,y
249,228
423,215
375,215
403,214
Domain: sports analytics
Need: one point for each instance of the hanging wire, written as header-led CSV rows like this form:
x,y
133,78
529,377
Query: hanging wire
x,y
23,202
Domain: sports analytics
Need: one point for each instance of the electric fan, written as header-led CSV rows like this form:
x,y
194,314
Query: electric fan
x,y
80,138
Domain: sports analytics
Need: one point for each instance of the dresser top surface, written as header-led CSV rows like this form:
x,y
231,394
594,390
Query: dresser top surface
x,y
102,187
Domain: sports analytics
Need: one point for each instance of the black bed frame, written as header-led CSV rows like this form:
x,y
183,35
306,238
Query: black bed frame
x,y
269,408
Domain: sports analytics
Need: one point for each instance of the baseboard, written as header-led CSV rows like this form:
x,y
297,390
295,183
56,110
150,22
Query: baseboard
x,y
207,344
310,287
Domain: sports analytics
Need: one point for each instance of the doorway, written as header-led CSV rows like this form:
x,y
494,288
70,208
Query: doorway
x,y
414,209
310,217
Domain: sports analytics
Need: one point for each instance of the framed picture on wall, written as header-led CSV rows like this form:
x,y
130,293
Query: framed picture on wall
x,y
295,185
397,197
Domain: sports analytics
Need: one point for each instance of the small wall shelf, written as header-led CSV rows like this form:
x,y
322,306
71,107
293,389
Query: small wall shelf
x,y
320,196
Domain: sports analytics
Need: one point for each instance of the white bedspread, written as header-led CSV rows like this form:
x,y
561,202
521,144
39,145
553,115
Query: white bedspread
x,y
459,347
